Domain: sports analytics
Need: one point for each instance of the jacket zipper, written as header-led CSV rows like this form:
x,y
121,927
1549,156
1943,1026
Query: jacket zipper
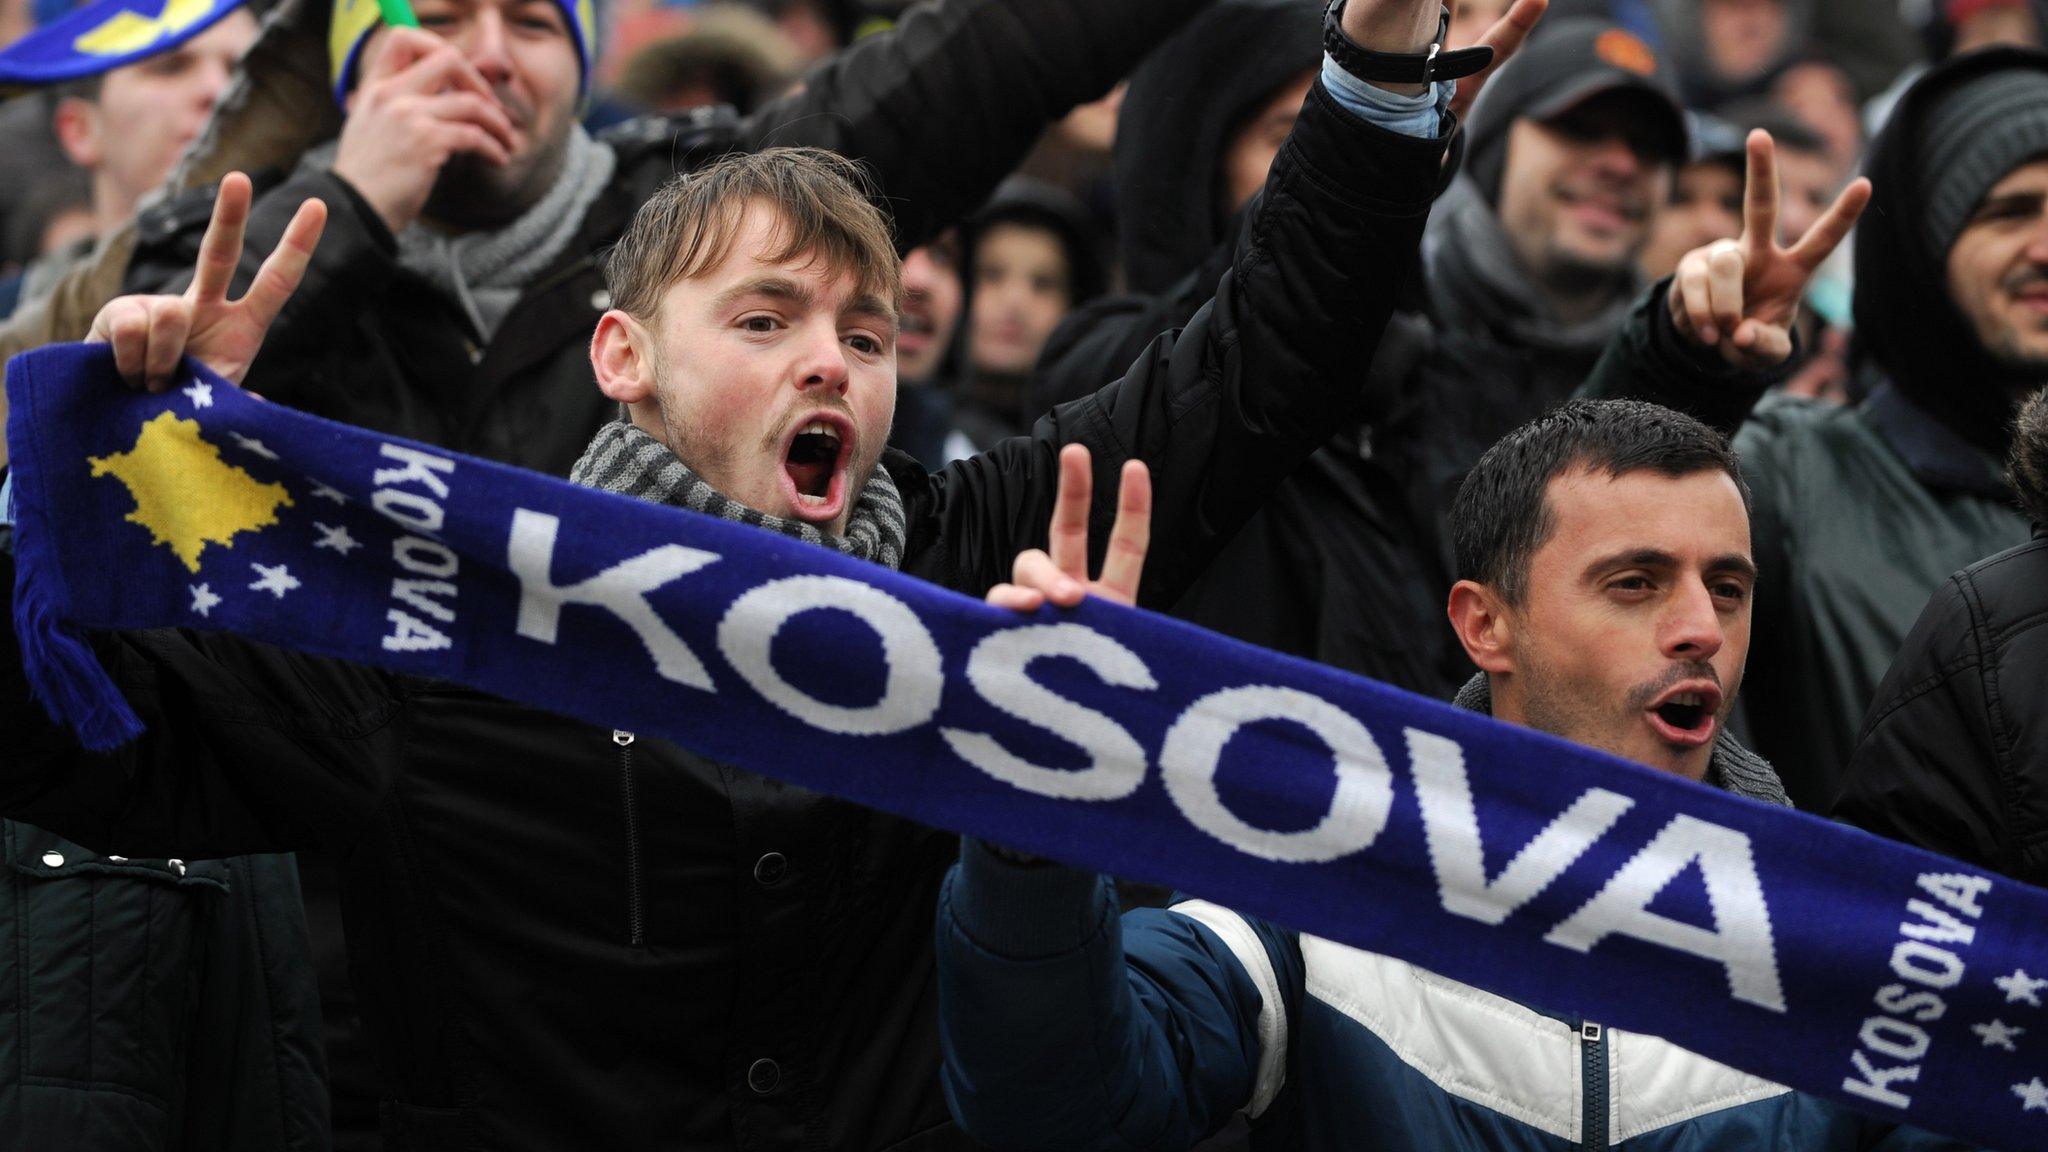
x,y
1593,1074
636,919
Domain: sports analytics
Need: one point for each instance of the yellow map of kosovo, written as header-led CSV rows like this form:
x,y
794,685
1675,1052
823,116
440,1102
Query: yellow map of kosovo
x,y
185,494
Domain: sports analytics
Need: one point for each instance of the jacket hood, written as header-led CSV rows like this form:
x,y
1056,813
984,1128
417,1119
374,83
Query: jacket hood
x,y
1183,103
1906,323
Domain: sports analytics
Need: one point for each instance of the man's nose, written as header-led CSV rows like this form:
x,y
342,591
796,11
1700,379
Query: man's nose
x,y
1691,627
1612,156
2037,240
823,362
214,76
487,47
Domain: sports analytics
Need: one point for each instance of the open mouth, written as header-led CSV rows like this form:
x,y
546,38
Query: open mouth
x,y
1686,718
815,466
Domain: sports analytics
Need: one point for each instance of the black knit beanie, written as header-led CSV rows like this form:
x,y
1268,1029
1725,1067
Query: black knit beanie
x,y
1970,140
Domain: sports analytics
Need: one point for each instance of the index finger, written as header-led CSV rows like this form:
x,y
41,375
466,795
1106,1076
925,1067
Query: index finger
x,y
1067,539
1827,233
1505,38
1760,193
220,250
1123,565
421,62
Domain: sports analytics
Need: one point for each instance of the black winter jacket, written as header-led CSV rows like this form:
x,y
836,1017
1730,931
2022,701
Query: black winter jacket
x,y
154,1005
568,937
1954,755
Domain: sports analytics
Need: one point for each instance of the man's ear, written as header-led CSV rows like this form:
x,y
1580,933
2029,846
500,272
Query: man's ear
x,y
76,124
622,356
1483,626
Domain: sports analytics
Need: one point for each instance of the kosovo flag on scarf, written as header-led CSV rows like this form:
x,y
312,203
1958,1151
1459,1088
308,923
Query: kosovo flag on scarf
x,y
104,35
1880,976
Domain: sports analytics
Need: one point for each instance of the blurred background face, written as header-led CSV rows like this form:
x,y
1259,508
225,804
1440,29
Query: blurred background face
x,y
931,309
1580,192
1824,99
1250,151
1807,184
1998,268
1022,288
1705,206
1743,37
147,113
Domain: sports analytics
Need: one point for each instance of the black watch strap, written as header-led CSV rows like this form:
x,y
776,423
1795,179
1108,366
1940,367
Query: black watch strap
x,y
1400,67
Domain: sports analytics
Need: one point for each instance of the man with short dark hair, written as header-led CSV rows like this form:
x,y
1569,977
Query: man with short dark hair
x,y
1606,579
567,936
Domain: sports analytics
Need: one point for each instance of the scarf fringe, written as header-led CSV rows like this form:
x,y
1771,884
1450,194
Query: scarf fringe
x,y
64,674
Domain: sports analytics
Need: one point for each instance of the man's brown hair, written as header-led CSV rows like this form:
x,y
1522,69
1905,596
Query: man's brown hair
x,y
687,228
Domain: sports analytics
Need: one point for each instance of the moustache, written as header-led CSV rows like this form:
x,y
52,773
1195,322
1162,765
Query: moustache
x,y
1639,697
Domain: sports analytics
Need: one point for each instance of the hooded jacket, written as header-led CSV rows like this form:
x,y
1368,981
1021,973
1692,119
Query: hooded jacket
x,y
1861,512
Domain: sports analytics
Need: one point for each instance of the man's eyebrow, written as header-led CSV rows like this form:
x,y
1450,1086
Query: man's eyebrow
x,y
1736,563
871,305
770,287
2014,199
1632,558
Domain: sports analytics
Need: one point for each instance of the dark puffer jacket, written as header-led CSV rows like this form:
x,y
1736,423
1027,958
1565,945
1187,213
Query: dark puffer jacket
x,y
1954,755
154,1005
566,937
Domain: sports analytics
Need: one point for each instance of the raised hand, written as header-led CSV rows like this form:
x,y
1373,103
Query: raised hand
x,y
1505,38
420,101
1059,573
1742,296
150,333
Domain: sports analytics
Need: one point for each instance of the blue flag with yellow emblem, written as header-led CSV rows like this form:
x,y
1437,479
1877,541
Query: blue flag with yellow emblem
x,y
104,35
1873,974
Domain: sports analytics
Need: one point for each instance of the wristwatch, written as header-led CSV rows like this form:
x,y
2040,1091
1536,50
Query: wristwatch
x,y
1400,67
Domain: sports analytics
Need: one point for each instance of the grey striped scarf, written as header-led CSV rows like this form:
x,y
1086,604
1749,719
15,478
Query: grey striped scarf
x,y
625,460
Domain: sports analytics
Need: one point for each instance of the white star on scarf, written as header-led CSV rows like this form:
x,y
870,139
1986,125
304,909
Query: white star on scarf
x,y
203,600
276,580
2020,986
323,492
251,444
337,539
201,394
2033,1094
1998,1033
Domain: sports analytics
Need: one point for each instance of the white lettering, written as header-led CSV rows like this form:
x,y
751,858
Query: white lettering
x,y
1940,925
409,634
1365,786
416,593
1741,940
620,589
913,681
419,466
1947,970
409,509
1958,890
1900,1000
424,557
1450,822
1876,1085
1894,1038
999,669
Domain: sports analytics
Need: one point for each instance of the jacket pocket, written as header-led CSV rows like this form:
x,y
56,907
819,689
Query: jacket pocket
x,y
111,954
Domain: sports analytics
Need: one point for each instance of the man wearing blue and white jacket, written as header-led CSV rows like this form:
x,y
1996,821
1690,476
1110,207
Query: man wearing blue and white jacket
x,y
1605,574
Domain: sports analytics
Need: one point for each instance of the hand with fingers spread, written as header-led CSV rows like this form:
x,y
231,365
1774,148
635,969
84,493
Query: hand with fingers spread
x,y
1505,38
150,333
1742,296
1059,573
419,103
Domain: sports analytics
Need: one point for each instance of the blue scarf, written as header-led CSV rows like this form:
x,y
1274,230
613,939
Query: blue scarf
x,y
1821,957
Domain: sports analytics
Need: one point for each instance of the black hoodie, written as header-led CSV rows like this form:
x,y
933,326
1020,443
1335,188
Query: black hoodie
x,y
1907,327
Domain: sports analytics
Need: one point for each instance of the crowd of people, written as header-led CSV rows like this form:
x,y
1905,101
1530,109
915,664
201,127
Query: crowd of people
x,y
1665,375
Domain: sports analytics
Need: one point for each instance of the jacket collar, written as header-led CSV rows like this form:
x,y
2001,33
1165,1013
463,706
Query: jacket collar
x,y
1732,768
1937,454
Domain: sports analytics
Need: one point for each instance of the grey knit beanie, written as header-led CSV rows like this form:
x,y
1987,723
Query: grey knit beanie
x,y
1970,140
